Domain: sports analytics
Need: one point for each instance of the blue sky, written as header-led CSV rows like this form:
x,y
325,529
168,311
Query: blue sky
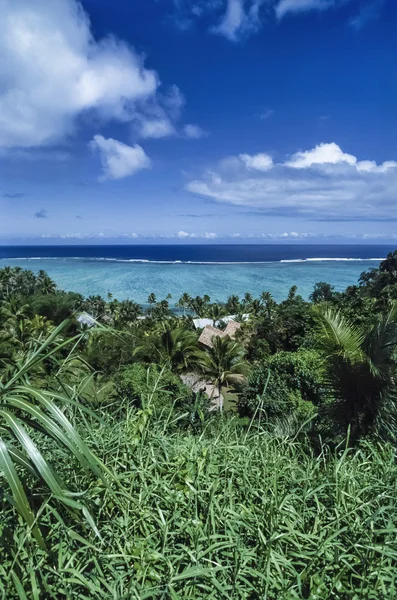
x,y
198,120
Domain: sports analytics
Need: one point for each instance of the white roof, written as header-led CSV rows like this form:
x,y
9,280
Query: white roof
x,y
201,323
86,319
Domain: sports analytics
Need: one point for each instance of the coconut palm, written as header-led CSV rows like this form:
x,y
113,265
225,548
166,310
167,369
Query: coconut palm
x,y
95,306
269,303
7,281
44,283
127,312
224,362
361,371
215,312
175,348
25,408
233,305
184,301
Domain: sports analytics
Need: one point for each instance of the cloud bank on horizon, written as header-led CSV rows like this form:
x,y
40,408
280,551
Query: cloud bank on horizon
x,y
71,92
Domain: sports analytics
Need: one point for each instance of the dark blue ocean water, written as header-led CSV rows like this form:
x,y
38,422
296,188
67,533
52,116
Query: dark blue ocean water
x,y
200,253
217,270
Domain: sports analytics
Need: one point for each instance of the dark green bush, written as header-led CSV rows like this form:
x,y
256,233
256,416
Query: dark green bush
x,y
142,386
109,352
293,389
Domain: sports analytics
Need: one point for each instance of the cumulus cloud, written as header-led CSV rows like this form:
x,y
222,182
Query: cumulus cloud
x,y
54,72
321,154
260,162
118,159
331,154
320,183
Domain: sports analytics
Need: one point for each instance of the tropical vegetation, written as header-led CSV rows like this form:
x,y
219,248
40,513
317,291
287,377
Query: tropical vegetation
x,y
120,477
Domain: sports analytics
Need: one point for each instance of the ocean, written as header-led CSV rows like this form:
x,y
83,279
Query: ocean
x,y
217,270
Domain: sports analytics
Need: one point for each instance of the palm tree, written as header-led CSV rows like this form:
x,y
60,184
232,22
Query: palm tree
x,y
215,312
224,362
247,299
269,303
175,348
44,283
128,312
96,306
14,319
233,304
7,281
184,301
361,371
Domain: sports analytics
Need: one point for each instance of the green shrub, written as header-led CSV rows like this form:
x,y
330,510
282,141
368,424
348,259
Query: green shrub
x,y
142,385
293,386
56,307
108,352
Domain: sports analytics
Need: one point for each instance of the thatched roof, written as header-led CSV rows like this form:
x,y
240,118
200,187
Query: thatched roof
x,y
231,328
208,333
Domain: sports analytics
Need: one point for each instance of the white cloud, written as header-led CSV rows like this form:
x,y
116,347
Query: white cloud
x,y
159,115
370,166
193,132
237,19
296,6
52,71
260,162
274,236
118,159
321,183
240,19
208,235
321,154
156,128
231,21
331,154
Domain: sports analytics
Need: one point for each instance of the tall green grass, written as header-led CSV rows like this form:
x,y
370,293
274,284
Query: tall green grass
x,y
217,514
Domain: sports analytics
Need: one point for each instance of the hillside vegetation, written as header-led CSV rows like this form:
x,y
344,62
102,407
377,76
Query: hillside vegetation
x,y
119,481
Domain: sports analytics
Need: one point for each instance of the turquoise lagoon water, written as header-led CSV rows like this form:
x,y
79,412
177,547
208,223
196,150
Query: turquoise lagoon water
x,y
136,280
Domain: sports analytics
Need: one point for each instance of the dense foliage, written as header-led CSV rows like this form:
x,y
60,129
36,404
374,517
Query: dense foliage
x,y
120,478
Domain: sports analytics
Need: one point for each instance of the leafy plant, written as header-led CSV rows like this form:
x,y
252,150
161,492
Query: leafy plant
x,y
361,372
28,414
